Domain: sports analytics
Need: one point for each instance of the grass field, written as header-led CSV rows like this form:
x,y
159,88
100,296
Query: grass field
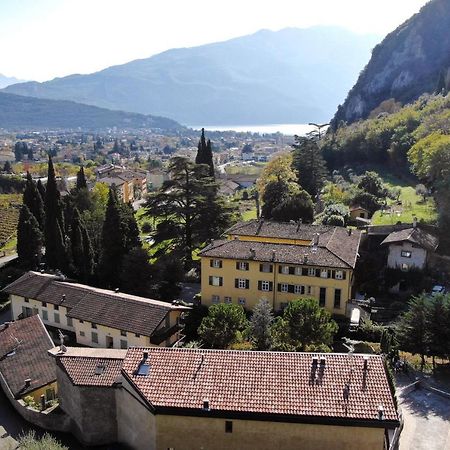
x,y
9,217
412,205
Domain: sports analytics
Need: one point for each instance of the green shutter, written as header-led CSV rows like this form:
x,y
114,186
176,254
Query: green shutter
x,y
247,284
236,283
259,285
210,280
270,286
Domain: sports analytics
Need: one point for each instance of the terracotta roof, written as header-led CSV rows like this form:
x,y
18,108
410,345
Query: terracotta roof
x,y
336,247
263,383
23,355
92,368
114,309
416,236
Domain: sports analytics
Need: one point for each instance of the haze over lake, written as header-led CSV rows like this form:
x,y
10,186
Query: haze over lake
x,y
288,129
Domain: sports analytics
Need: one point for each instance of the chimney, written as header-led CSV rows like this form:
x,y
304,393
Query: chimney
x,y
116,290
315,360
252,253
316,239
305,259
322,361
365,362
63,298
380,412
273,255
206,404
346,391
28,382
145,355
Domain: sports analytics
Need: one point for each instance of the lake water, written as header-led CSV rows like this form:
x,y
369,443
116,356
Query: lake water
x,y
288,129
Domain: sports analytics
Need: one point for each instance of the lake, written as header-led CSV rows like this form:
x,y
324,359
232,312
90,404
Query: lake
x,y
288,129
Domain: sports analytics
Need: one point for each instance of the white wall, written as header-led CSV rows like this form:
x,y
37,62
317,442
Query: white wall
x,y
395,259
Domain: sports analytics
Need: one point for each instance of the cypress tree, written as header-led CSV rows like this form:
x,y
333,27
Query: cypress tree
x,y
82,254
204,153
81,180
32,198
41,189
112,243
29,239
55,245
130,228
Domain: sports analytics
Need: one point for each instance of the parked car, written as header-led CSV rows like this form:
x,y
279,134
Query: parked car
x,y
438,289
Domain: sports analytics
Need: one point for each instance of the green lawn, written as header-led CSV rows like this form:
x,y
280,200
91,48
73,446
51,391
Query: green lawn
x,y
249,215
412,206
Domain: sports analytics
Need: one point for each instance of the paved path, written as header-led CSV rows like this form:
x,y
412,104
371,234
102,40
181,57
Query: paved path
x,y
427,421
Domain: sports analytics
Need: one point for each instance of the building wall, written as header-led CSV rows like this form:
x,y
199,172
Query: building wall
x,y
418,257
43,391
193,433
136,424
18,302
92,410
275,298
84,332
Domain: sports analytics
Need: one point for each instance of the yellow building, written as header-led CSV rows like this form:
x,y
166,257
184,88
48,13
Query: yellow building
x,y
190,399
96,317
280,262
26,368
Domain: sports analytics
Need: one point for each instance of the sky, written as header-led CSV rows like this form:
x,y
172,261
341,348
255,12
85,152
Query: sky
x,y
43,39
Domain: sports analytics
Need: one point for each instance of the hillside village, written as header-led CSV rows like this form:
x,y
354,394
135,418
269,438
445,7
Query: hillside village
x,y
163,287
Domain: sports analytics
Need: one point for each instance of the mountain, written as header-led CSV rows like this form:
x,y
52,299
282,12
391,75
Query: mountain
x,y
412,60
289,76
6,81
19,112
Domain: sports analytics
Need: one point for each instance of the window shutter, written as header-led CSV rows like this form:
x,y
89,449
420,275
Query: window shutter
x,y
247,265
220,264
279,287
291,270
280,269
237,265
271,268
344,274
333,274
261,267
318,273
259,285
270,286
291,288
211,262
236,283
247,284
210,280
304,271
220,281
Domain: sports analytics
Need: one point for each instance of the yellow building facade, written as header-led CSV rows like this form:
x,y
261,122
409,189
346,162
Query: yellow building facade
x,y
281,266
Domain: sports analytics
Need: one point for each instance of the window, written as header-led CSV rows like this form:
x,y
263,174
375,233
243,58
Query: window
x,y
283,287
44,314
298,289
56,317
227,300
241,283
311,272
215,281
123,344
56,307
241,301
82,333
216,263
93,325
324,273
27,300
242,265
215,299
81,321
406,254
284,269
44,304
49,394
322,296
267,268
94,337
69,321
266,286
298,271
228,426
123,333
339,275
337,298
138,335
308,290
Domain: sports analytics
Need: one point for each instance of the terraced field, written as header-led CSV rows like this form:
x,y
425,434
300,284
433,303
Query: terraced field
x,y
9,216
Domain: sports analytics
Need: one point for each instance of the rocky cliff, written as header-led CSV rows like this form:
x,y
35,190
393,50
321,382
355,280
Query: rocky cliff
x,y
412,60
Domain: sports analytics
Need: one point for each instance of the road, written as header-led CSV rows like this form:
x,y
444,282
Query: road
x,y
427,421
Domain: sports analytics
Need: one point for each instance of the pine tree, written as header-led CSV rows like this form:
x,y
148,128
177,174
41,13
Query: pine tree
x,y
81,180
113,243
137,273
55,240
33,200
29,239
309,164
82,254
204,154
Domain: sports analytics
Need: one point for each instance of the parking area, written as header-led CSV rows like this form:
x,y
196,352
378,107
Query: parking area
x,y
426,420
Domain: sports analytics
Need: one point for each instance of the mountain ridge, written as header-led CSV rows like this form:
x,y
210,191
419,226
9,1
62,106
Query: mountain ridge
x,y
265,77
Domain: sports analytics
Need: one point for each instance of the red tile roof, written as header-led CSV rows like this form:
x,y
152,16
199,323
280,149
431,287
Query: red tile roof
x,y
23,355
92,370
273,383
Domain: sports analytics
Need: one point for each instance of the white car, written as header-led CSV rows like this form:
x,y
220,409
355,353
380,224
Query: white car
x,y
438,289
